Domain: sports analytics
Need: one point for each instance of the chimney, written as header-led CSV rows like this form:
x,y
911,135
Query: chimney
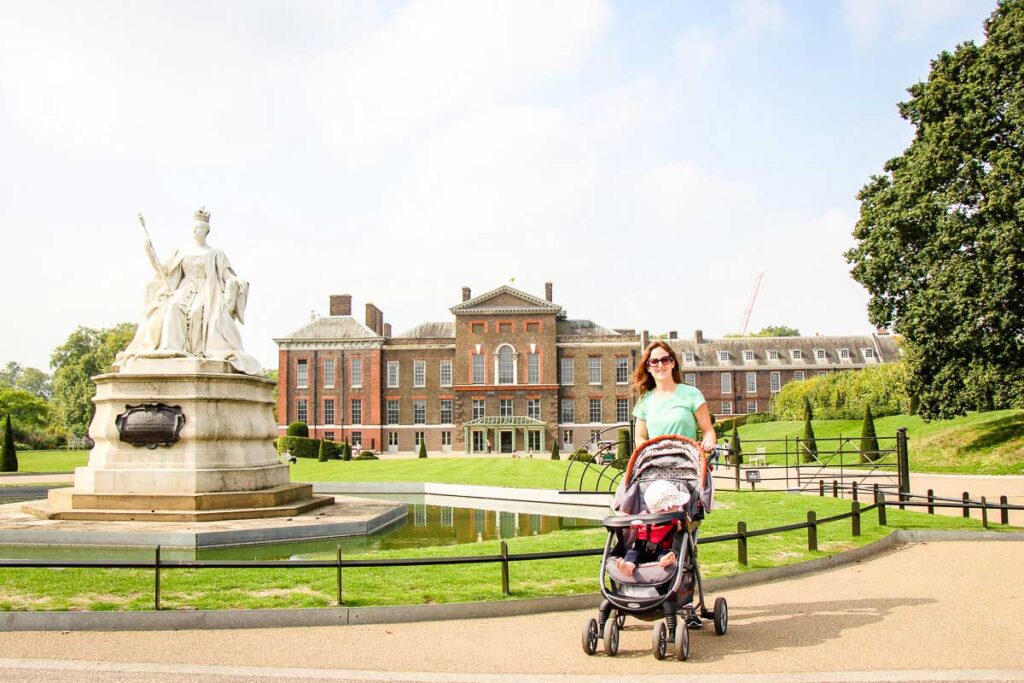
x,y
387,330
549,291
379,329
645,339
465,294
341,304
698,336
673,334
371,317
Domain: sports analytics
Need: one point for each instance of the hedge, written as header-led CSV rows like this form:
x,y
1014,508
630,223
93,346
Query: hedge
x,y
301,447
845,395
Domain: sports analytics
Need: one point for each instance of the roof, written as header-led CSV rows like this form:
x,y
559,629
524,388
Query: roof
x,y
329,328
430,330
706,354
506,299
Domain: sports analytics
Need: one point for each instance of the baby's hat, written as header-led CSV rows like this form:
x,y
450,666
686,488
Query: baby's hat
x,y
662,494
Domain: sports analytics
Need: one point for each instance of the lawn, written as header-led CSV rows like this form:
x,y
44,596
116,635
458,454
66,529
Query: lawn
x,y
978,443
51,461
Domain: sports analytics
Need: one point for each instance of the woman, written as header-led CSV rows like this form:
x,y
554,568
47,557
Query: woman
x,y
664,404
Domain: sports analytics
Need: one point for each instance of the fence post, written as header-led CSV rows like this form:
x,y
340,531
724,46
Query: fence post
x,y
741,543
156,586
835,488
903,460
880,502
339,576
736,473
854,490
967,502
812,530
821,488
855,518
931,501
1004,512
984,512
504,568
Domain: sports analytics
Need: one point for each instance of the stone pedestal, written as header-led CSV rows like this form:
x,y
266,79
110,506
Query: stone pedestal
x,y
222,466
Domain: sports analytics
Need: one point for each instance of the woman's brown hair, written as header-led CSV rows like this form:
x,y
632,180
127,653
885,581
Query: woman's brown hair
x,y
642,379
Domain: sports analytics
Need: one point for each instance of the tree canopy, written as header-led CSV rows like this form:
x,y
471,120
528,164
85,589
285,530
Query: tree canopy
x,y
32,380
940,238
769,331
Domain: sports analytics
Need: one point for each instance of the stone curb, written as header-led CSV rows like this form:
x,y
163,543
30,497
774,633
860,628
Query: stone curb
x,y
343,616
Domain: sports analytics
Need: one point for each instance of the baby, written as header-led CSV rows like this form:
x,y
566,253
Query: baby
x,y
660,496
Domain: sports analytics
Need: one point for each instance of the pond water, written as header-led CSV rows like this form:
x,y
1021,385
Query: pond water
x,y
425,526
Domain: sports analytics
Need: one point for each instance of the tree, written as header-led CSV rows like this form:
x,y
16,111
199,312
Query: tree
x,y
10,373
769,331
808,446
86,352
735,447
298,428
31,411
554,451
346,451
423,448
868,439
35,382
321,453
939,244
9,455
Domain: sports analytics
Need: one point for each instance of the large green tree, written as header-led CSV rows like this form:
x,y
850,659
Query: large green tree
x,y
769,331
940,239
30,412
87,352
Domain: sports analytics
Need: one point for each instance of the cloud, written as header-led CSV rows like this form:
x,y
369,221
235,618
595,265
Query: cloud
x,y
867,20
698,46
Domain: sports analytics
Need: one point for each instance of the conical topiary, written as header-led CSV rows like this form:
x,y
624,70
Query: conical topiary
x,y
625,447
868,438
808,447
321,453
346,451
735,448
554,451
9,459
423,448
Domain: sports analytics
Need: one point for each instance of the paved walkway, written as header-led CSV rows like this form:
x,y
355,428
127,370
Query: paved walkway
x,y
925,612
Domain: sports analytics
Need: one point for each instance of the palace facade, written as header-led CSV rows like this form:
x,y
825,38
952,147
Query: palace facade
x,y
512,373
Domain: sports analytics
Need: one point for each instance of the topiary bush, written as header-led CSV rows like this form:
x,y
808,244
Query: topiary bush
x,y
298,428
8,452
735,447
808,446
581,455
423,449
868,438
346,451
322,452
301,447
554,451
366,455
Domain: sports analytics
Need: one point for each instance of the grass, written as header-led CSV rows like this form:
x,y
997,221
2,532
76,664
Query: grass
x,y
977,443
80,589
51,461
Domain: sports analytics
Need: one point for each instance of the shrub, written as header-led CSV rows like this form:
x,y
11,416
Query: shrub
x,y
423,449
366,455
843,395
756,418
302,447
735,447
322,452
809,448
625,447
346,451
868,439
9,455
298,428
581,455
554,451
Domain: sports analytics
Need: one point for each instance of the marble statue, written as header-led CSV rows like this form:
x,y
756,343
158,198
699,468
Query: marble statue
x,y
192,305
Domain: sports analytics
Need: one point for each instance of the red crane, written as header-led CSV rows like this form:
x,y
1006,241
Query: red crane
x,y
750,305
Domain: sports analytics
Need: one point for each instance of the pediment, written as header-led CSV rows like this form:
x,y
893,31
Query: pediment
x,y
506,299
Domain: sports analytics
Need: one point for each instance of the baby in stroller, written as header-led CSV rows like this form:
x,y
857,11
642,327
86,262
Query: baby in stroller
x,y
660,496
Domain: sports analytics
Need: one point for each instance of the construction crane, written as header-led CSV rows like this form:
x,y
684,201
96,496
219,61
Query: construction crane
x,y
750,305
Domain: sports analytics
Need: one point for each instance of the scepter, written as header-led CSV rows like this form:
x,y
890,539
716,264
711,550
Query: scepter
x,y
152,252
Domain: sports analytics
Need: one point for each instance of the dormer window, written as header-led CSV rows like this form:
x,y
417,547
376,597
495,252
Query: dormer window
x,y
688,357
748,356
869,354
819,354
723,356
773,354
796,354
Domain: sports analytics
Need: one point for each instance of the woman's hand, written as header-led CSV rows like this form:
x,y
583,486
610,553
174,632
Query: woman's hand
x,y
709,442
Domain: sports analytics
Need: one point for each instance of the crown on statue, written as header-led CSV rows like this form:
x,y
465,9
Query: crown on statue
x,y
202,214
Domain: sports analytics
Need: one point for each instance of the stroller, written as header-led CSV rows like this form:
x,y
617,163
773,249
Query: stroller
x,y
671,596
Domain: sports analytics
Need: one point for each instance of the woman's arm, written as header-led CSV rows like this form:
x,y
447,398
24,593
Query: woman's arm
x,y
708,439
639,433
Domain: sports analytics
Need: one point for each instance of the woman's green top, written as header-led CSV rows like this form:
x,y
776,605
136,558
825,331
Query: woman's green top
x,y
673,414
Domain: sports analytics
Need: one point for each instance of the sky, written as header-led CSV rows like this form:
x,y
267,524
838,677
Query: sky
x,y
649,159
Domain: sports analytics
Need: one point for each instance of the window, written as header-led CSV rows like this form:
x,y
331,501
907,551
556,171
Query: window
x,y
594,369
393,439
567,371
751,382
595,410
773,354
504,328
751,407
419,373
533,408
622,410
568,410
533,439
478,368
723,356
819,354
479,409
478,442
328,436
329,373
301,374
796,354
478,328
869,354
533,368
748,356
417,438
446,373
690,378
822,373
533,328
726,407
419,411
300,410
392,373
566,438
357,372
798,375
357,411
357,440
595,434
688,357
329,411
446,438
505,407
621,370
775,382
726,380
392,412
446,411
506,365
844,354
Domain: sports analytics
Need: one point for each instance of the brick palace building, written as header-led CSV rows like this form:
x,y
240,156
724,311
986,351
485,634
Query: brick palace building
x,y
512,371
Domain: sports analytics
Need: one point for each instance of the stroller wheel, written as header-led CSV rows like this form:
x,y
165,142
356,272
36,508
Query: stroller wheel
x,y
682,642
590,636
659,640
611,637
721,616
621,620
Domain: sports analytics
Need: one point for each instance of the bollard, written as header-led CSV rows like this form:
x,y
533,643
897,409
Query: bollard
x,y
156,587
339,576
967,503
821,488
812,530
741,543
984,512
855,518
853,488
504,568
835,488
931,502
1004,512
880,502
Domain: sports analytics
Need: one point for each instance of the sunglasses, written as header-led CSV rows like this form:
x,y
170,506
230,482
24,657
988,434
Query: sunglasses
x,y
655,362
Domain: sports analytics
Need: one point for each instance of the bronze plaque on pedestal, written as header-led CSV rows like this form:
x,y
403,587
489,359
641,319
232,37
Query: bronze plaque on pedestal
x,y
150,424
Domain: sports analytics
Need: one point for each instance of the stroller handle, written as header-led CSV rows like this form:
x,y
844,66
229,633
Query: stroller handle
x,y
625,521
